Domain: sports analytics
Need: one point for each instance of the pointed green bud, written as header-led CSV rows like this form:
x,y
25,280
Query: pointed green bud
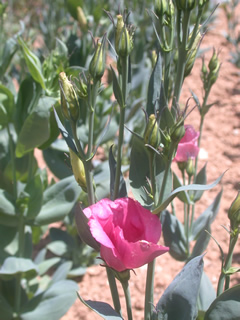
x,y
178,132
214,67
201,3
69,99
152,133
97,64
234,212
185,5
192,53
190,168
82,90
81,19
161,7
123,40
78,170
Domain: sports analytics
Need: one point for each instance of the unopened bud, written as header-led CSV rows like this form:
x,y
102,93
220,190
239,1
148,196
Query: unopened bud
x,y
69,99
78,170
214,63
201,3
154,57
152,134
185,5
81,18
190,168
161,7
123,40
192,53
234,212
97,64
178,132
82,90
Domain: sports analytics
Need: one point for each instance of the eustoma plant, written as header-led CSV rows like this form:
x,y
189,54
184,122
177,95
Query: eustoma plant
x,y
126,231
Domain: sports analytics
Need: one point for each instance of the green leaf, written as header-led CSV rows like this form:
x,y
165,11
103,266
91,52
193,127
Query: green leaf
x,y
62,271
201,178
28,96
160,171
206,293
175,192
45,265
7,235
35,191
53,303
226,306
154,88
35,130
139,172
202,240
174,236
209,214
103,309
58,201
13,266
183,196
6,106
6,309
179,300
122,185
58,247
117,90
8,215
9,50
33,63
232,270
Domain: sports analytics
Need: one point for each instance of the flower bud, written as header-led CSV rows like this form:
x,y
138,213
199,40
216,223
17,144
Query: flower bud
x,y
161,7
185,5
201,3
78,170
81,18
123,40
192,53
190,168
82,90
234,212
178,133
152,134
69,99
97,64
214,62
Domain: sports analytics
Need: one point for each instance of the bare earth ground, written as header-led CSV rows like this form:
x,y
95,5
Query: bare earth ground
x,y
221,149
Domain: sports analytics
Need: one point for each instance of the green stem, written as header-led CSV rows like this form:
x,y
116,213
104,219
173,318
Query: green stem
x,y
228,262
166,172
127,299
114,291
21,243
124,62
182,54
149,291
94,93
12,156
152,172
30,166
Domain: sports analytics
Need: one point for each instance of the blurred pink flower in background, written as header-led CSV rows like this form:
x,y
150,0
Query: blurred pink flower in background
x,y
127,232
188,145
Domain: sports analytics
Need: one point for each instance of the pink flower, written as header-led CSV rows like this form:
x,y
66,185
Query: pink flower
x,y
188,145
127,232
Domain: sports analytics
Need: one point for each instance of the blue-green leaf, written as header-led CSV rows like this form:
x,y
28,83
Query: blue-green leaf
x,y
201,178
226,306
175,192
103,309
206,293
8,215
183,196
13,266
179,300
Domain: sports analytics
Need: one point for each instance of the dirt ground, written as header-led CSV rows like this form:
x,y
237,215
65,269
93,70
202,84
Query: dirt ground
x,y
221,150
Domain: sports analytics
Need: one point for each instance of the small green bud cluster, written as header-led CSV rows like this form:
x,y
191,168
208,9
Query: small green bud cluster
x,y
152,134
161,7
69,99
97,64
234,213
209,76
81,19
192,53
123,38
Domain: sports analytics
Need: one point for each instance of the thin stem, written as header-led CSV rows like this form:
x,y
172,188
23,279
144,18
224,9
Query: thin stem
x,y
127,299
152,172
114,291
182,54
228,262
124,62
12,155
94,93
166,172
149,291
